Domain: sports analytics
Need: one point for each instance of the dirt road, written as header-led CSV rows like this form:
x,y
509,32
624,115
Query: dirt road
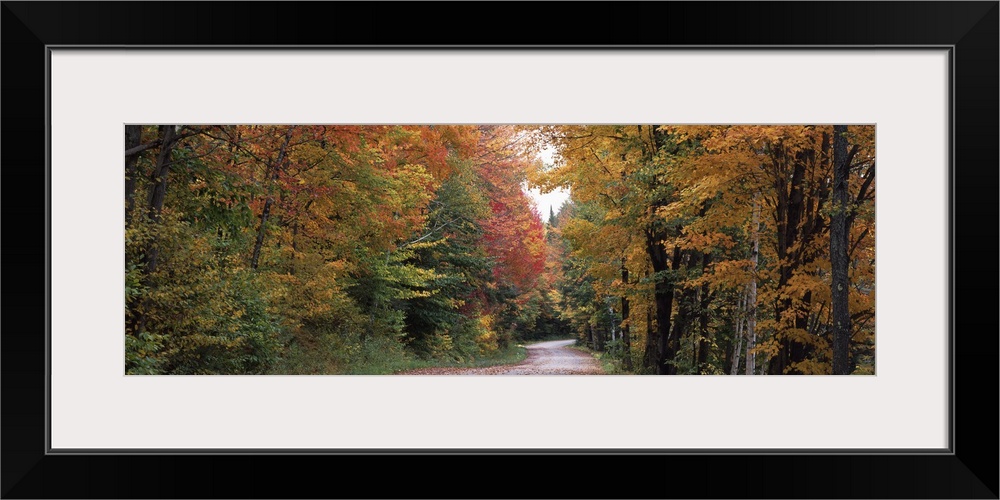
x,y
544,358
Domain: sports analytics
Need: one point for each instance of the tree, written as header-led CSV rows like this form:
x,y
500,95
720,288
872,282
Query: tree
x,y
838,252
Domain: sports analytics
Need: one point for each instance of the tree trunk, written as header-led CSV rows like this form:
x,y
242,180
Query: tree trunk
x,y
789,209
656,234
704,343
598,339
158,190
611,323
685,302
649,355
664,348
839,235
752,294
626,328
799,351
133,138
664,300
157,193
275,168
738,335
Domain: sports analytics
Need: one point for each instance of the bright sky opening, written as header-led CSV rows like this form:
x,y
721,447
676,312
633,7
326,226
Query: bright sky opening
x,y
552,200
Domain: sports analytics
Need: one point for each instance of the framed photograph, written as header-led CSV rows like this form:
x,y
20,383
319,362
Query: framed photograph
x,y
367,205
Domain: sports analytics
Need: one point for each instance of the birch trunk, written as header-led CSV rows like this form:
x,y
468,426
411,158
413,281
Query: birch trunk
x,y
738,341
752,294
626,327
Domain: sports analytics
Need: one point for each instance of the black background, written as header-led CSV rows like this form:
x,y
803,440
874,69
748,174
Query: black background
x,y
972,472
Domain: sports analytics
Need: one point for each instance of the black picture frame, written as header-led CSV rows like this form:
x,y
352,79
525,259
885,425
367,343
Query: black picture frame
x,y
969,29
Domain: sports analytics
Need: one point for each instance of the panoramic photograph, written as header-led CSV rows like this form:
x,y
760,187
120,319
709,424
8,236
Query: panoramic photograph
x,y
499,249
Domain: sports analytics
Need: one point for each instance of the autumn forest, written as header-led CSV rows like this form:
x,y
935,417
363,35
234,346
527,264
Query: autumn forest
x,y
420,249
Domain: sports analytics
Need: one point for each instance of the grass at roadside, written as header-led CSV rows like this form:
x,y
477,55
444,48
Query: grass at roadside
x,y
545,339
378,357
512,355
610,365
